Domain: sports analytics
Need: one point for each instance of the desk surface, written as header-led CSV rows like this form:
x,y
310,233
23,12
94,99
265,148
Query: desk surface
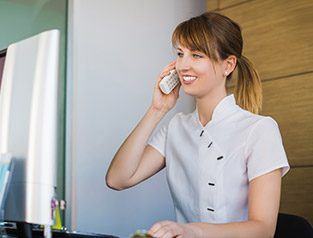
x,y
11,233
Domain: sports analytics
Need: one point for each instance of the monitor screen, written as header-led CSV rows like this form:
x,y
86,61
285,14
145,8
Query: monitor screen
x,y
2,59
29,125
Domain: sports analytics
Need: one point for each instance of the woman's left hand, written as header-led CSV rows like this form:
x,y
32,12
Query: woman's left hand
x,y
170,229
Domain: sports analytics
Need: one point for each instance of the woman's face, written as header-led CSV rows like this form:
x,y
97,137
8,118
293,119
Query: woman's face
x,y
197,75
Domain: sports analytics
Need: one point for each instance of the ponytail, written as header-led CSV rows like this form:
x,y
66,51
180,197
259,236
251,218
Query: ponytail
x,y
248,90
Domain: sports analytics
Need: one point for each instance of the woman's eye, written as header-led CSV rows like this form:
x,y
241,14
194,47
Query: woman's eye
x,y
197,56
179,54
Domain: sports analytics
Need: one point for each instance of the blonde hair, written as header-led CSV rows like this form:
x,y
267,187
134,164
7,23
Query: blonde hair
x,y
218,37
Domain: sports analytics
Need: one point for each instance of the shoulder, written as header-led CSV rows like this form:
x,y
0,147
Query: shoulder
x,y
182,118
255,121
260,129
182,122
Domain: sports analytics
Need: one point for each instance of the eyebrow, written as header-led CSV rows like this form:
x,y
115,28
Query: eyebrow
x,y
193,51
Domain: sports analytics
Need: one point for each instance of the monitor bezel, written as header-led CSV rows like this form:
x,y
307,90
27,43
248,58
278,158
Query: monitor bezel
x,y
3,52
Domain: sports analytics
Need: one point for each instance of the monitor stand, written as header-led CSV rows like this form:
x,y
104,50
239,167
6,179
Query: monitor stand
x,y
24,230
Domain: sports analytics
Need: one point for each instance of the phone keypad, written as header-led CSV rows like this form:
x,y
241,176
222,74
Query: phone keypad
x,y
172,81
169,82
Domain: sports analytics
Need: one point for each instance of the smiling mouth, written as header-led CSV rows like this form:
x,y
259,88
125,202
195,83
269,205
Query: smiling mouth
x,y
187,79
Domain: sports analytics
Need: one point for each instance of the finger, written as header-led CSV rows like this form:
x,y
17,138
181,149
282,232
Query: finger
x,y
177,88
158,226
175,91
172,63
162,75
154,229
167,231
168,235
162,232
169,66
167,70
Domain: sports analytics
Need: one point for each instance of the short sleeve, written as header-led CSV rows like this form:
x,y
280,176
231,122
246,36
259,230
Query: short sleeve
x,y
265,150
158,139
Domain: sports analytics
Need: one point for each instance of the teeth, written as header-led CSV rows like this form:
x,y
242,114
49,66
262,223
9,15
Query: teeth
x,y
189,78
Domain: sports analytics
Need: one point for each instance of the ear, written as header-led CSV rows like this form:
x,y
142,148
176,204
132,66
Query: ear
x,y
229,64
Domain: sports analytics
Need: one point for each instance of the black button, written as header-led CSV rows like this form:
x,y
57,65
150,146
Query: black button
x,y
201,132
210,144
211,184
210,209
221,157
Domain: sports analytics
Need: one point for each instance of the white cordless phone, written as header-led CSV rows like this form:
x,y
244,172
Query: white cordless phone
x,y
169,82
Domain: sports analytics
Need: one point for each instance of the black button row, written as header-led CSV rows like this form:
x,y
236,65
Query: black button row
x,y
210,209
219,158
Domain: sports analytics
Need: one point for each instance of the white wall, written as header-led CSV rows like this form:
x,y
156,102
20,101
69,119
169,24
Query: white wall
x,y
116,50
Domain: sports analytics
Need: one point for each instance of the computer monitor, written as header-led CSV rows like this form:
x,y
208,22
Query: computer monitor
x,y
28,125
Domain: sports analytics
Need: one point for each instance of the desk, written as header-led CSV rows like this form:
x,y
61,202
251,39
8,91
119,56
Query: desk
x,y
11,233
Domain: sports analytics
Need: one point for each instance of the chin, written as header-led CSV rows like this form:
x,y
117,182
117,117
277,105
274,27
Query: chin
x,y
191,92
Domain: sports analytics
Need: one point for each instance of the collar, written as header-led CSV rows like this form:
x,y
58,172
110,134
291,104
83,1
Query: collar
x,y
223,109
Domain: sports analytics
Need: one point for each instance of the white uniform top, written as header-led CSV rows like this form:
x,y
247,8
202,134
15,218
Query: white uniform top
x,y
209,168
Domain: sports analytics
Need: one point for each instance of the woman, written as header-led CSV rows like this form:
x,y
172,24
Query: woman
x,y
224,162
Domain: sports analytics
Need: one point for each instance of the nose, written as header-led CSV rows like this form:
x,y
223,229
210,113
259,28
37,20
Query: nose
x,y
183,63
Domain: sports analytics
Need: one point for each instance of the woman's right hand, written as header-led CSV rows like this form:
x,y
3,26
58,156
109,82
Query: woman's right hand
x,y
161,101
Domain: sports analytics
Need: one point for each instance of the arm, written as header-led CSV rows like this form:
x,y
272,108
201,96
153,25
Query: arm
x,y
264,197
134,155
135,161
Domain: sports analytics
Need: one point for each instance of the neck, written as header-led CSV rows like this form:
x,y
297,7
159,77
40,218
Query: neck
x,y
207,104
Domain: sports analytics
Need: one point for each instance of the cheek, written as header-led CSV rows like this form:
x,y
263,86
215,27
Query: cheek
x,y
206,71
209,77
178,64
